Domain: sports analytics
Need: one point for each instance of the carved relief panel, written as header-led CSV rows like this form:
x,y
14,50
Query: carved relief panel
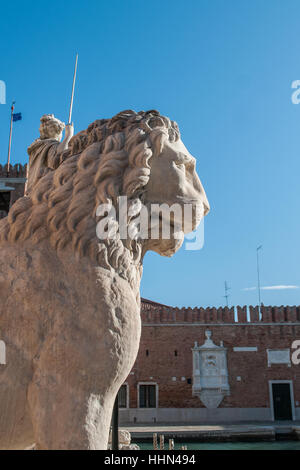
x,y
210,374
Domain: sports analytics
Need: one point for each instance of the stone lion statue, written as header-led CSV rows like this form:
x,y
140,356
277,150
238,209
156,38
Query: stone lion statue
x,y
70,302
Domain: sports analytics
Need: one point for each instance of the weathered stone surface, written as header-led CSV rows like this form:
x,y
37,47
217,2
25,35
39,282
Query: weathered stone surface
x,y
45,152
70,304
124,437
129,447
124,441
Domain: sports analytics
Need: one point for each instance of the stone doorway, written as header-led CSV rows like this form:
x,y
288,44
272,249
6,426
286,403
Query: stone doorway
x,y
281,401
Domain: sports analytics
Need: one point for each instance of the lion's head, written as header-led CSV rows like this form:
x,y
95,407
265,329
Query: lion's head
x,y
138,155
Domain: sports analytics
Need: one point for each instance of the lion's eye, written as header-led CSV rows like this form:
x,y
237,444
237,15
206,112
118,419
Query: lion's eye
x,y
180,165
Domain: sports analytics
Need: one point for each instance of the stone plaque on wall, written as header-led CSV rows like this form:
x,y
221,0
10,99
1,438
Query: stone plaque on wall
x,y
278,356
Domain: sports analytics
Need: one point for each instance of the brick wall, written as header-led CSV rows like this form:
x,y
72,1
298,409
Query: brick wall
x,y
15,171
169,334
13,177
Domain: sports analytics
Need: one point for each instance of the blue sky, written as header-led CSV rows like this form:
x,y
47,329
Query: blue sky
x,y
223,70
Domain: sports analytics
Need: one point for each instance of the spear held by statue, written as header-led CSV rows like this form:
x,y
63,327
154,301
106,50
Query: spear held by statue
x,y
48,151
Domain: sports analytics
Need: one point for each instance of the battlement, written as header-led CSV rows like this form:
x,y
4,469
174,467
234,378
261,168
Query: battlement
x,y
14,171
153,313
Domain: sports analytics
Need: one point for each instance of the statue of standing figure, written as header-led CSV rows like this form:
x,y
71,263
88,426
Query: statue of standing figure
x,y
46,152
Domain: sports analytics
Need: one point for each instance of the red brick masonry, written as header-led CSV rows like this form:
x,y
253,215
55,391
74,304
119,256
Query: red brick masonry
x,y
169,334
11,177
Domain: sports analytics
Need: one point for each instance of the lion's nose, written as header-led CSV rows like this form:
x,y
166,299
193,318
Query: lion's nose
x,y
203,197
206,206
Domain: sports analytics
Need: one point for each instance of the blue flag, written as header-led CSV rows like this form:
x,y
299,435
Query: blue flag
x,y
17,117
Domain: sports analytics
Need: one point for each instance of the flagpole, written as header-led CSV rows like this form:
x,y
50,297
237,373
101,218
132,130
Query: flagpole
x,y
10,135
258,281
73,89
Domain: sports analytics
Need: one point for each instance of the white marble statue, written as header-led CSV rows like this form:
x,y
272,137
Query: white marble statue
x,y
45,153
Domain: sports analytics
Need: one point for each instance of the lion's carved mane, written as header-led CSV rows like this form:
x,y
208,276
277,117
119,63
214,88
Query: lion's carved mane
x,y
111,158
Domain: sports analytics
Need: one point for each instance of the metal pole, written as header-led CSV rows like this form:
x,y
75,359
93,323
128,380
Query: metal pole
x,y
73,89
115,425
226,292
258,280
10,135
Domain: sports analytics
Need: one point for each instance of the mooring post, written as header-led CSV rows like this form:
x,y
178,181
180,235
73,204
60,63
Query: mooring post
x,y
155,446
115,425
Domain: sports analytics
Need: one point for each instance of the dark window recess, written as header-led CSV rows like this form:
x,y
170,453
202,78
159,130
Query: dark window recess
x,y
282,401
4,201
189,381
147,352
175,353
147,396
122,396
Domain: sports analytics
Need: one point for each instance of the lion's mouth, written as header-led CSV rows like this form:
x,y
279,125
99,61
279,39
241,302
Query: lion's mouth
x,y
187,221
